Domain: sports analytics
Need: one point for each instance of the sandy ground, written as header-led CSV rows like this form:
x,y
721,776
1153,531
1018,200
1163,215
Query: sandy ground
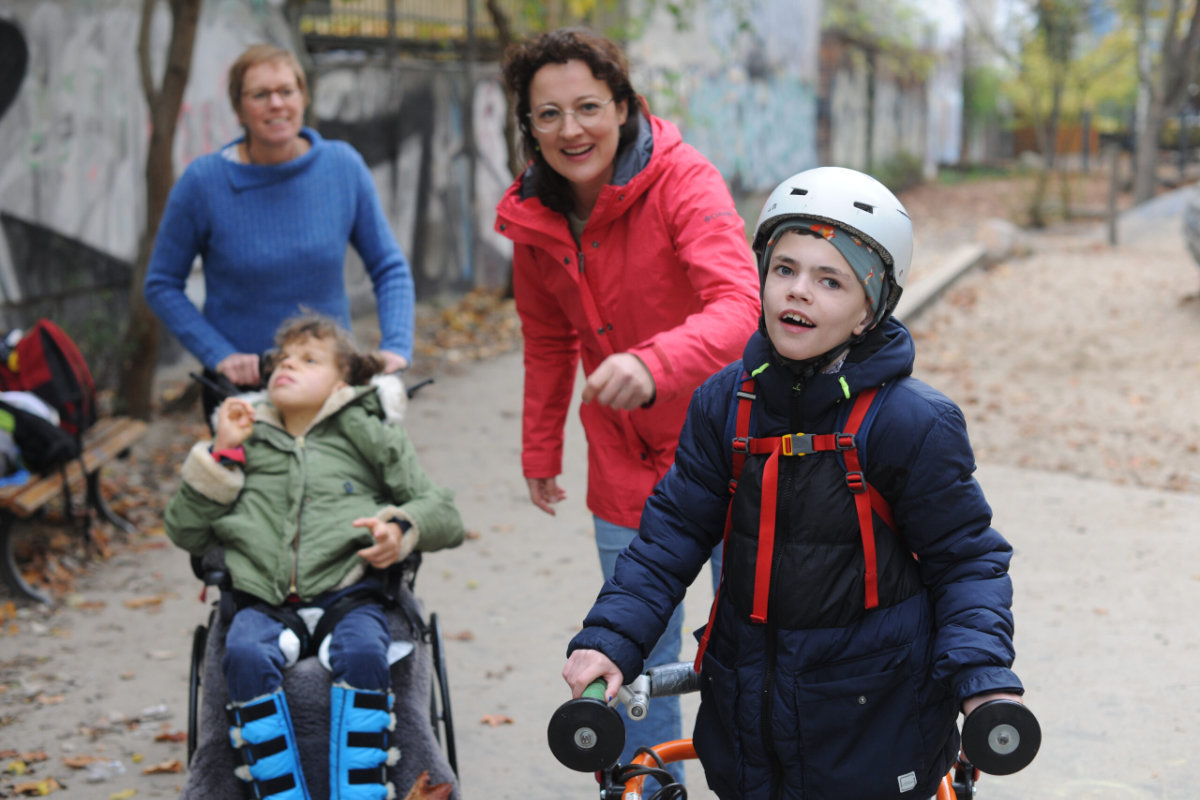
x,y
1078,372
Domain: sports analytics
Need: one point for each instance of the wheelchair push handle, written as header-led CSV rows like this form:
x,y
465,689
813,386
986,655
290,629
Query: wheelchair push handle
x,y
1001,737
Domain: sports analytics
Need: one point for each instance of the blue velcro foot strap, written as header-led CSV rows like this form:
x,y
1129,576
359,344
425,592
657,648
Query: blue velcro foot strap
x,y
261,734
358,743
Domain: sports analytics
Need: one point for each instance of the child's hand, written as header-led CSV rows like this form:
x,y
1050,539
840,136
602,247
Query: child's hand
x,y
235,423
585,666
391,545
622,381
972,703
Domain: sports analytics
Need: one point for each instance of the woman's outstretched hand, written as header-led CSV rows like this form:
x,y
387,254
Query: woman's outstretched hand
x,y
621,381
545,492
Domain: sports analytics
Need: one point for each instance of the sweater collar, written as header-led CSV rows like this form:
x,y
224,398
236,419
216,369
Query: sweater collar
x,y
244,177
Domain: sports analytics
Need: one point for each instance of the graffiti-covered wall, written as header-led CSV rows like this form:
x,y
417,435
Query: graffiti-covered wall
x,y
73,140
407,120
743,89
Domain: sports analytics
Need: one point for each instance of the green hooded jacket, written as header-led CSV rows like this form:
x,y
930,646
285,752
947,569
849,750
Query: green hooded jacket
x,y
284,519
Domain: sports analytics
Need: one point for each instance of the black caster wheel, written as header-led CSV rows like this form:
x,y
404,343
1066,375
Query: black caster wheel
x,y
586,734
1001,737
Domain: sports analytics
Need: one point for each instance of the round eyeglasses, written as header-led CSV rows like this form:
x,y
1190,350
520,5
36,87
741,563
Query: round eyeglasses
x,y
550,118
263,96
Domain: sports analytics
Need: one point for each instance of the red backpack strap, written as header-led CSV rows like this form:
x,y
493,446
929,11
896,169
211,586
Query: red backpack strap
x,y
741,446
866,497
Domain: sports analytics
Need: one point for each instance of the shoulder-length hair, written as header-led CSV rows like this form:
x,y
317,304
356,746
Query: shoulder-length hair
x,y
607,63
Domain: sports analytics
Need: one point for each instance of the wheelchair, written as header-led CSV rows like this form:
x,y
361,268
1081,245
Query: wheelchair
x,y
424,730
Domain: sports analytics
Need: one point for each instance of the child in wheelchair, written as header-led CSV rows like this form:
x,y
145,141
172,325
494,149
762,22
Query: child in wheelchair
x,y
312,496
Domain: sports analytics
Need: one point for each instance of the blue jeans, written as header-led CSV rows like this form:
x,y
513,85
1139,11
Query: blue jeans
x,y
665,720
253,662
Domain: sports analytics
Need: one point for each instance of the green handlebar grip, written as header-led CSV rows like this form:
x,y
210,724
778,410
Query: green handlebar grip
x,y
595,690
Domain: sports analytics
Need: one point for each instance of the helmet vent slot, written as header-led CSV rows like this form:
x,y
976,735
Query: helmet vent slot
x,y
870,209
800,191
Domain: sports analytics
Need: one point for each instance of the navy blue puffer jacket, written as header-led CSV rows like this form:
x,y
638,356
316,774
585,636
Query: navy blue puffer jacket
x,y
826,698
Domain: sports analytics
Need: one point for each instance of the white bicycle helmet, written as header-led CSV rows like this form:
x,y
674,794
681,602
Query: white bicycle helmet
x,y
851,200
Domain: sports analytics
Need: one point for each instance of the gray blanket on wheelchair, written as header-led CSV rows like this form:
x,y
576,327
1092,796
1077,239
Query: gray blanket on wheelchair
x,y
210,773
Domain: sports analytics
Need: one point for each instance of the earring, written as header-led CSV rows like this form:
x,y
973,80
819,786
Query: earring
x,y
537,148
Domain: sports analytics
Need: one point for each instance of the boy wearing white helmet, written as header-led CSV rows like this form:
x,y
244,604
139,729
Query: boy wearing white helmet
x,y
865,599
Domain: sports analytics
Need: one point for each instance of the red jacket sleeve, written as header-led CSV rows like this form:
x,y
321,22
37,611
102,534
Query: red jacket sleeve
x,y
710,239
551,360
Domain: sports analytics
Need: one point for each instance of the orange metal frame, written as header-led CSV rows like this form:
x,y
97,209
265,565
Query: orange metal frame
x,y
682,749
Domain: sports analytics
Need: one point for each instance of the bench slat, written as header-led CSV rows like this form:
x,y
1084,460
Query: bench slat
x,y
102,443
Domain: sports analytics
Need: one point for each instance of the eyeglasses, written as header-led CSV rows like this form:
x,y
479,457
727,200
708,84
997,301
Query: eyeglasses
x,y
550,118
263,96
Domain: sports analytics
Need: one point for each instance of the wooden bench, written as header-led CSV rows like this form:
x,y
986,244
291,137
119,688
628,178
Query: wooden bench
x,y
109,438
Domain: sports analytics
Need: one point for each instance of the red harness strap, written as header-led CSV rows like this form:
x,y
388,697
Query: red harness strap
x,y
867,498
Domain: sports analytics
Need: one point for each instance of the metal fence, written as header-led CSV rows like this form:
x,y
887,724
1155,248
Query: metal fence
x,y
426,26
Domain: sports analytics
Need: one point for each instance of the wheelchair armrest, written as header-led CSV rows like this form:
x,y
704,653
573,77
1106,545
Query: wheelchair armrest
x,y
210,568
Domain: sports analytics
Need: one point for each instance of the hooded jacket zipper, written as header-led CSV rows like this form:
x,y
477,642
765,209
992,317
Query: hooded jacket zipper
x,y
783,490
299,513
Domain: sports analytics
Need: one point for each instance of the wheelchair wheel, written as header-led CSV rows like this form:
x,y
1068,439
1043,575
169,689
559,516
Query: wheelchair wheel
x,y
439,701
199,642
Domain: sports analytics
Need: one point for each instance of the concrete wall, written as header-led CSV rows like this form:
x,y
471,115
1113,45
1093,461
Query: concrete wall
x,y
873,116
746,97
74,133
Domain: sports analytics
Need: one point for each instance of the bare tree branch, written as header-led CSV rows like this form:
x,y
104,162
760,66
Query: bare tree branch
x,y
143,52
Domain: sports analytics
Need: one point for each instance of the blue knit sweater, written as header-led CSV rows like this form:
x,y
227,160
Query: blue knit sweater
x,y
272,239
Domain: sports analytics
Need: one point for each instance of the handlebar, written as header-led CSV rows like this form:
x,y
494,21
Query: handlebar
x,y
587,734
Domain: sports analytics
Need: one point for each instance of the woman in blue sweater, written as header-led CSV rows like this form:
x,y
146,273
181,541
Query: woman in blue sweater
x,y
270,215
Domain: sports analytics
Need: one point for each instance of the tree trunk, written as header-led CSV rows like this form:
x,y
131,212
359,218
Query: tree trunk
x,y
141,338
504,37
1145,171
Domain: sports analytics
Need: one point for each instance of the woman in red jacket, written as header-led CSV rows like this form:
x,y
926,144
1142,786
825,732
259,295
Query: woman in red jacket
x,y
628,253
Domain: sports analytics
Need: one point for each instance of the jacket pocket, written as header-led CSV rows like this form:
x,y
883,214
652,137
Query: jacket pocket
x,y
859,727
716,734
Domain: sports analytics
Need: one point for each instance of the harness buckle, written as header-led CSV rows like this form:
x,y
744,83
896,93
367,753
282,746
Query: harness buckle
x,y
843,442
797,444
732,485
741,444
856,482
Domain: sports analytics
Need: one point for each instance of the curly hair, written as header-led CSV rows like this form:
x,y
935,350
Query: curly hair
x,y
356,368
607,63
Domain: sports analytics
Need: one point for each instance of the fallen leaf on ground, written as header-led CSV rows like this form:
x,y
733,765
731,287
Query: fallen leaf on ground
x,y
37,788
122,795
421,790
164,768
462,636
79,762
145,602
496,719
171,736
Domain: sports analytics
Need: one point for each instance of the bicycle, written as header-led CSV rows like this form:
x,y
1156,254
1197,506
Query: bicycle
x,y
587,735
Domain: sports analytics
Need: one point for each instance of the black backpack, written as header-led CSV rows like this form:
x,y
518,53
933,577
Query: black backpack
x,y
44,446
